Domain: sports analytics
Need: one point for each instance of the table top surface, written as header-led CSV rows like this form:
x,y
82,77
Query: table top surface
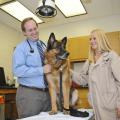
x,y
59,116
8,91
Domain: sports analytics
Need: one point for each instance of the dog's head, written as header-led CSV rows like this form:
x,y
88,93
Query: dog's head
x,y
57,49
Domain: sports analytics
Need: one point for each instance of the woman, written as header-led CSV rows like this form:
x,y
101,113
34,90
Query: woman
x,y
102,72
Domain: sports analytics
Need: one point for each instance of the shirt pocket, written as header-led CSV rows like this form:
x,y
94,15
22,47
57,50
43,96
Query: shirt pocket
x,y
33,59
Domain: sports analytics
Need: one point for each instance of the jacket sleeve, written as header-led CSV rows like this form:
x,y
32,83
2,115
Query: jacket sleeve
x,y
20,69
82,77
115,65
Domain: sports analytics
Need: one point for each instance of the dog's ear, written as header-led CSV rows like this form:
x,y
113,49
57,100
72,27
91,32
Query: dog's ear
x,y
51,40
64,41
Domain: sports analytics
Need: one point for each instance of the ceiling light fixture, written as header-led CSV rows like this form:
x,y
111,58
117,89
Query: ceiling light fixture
x,y
71,8
46,8
18,11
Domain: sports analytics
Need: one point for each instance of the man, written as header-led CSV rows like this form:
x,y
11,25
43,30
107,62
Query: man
x,y
32,95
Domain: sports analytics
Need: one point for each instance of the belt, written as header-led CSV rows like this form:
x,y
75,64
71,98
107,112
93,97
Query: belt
x,y
40,89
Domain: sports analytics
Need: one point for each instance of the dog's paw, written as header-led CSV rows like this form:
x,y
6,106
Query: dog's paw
x,y
66,111
52,112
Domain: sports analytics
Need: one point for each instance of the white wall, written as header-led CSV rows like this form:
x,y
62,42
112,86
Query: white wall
x,y
81,28
8,40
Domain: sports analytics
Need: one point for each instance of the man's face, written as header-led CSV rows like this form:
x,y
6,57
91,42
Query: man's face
x,y
31,30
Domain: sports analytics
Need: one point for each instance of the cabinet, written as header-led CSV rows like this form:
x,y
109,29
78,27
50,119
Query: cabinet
x,y
8,108
78,48
2,115
114,39
83,98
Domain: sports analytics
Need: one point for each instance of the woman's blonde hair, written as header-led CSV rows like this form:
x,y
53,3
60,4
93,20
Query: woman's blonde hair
x,y
102,43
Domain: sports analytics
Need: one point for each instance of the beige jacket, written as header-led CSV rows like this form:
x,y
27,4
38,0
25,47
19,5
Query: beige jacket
x,y
103,78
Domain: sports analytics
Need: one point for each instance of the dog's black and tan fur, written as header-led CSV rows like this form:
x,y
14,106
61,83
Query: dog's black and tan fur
x,y
56,55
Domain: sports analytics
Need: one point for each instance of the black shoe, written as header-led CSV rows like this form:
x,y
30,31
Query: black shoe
x,y
76,113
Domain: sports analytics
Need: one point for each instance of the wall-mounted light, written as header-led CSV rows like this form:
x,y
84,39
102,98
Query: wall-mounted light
x,y
46,9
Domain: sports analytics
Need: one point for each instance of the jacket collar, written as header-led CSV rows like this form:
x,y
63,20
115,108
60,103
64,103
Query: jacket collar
x,y
104,57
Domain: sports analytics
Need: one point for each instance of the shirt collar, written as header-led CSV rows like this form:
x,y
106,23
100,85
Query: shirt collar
x,y
32,41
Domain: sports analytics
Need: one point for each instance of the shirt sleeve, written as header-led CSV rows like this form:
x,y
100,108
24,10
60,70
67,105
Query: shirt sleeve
x,y
82,77
20,69
115,65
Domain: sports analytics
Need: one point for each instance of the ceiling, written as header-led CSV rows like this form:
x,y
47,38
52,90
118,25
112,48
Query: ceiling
x,y
94,8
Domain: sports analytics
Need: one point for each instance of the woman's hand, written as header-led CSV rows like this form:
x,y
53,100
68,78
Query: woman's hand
x,y
47,68
118,112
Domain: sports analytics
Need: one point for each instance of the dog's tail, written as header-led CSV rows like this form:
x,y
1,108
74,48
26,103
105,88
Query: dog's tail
x,y
74,97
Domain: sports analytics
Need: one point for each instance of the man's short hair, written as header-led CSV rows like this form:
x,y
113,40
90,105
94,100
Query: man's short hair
x,y
26,20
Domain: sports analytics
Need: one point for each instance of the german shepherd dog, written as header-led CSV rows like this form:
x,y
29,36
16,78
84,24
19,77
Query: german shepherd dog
x,y
57,55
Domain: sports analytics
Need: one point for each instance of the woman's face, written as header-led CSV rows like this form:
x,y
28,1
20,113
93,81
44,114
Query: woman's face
x,y
93,42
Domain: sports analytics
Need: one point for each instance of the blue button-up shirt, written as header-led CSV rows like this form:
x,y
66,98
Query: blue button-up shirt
x,y
27,66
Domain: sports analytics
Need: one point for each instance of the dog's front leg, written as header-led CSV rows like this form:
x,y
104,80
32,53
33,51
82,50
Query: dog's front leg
x,y
52,92
66,91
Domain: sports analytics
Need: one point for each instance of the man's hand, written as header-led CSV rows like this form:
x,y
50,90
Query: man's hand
x,y
47,68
